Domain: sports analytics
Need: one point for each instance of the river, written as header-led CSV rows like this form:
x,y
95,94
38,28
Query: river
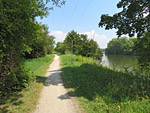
x,y
119,61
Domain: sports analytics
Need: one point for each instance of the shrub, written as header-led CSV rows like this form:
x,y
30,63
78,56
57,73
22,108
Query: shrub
x,y
15,80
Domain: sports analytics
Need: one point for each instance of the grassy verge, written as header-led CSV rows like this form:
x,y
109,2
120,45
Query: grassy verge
x,y
25,101
102,90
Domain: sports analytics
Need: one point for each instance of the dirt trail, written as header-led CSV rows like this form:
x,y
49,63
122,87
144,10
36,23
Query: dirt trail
x,y
54,98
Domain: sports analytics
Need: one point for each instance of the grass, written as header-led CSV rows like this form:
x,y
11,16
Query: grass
x,y
103,90
25,101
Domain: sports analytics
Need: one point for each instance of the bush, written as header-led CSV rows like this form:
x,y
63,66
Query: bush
x,y
15,80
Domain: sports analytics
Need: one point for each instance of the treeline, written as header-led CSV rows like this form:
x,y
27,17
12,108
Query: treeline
x,y
21,37
122,46
132,46
43,43
79,44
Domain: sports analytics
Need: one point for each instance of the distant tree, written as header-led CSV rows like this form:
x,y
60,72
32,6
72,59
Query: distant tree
x,y
114,47
92,47
121,46
72,40
82,46
83,43
99,54
60,48
50,44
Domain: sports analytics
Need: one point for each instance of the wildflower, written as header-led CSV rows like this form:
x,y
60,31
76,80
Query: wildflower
x,y
146,97
119,107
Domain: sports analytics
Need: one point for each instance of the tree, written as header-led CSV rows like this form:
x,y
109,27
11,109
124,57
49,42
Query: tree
x,y
56,2
122,45
83,43
142,47
50,44
18,30
134,18
43,43
82,46
92,47
114,47
60,48
99,54
72,41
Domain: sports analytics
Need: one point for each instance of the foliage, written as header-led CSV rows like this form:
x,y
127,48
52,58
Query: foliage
x,y
25,101
100,89
15,80
133,18
57,2
42,45
18,31
80,45
60,47
143,49
50,44
72,41
121,46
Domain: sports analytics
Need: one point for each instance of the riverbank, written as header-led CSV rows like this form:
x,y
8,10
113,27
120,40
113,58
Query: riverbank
x,y
25,101
100,89
119,61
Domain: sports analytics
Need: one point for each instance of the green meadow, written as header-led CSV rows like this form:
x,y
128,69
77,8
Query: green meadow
x,y
26,100
102,90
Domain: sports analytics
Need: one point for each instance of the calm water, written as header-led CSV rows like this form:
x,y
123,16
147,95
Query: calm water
x,y
119,61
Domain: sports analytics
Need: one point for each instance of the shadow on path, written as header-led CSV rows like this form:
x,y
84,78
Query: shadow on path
x,y
54,78
65,96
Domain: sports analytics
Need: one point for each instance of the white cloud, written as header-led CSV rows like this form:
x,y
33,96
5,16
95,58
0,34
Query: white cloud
x,y
59,36
102,39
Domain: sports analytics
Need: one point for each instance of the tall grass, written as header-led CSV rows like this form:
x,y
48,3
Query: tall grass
x,y
103,90
25,101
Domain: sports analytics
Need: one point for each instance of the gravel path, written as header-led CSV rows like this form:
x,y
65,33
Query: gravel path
x,y
54,98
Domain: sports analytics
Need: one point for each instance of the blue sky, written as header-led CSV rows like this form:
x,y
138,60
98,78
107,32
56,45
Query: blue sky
x,y
82,16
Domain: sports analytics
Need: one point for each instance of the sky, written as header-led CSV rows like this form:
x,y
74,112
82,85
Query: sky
x,y
82,16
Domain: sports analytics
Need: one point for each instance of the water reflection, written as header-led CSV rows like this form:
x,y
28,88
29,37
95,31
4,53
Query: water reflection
x,y
119,61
